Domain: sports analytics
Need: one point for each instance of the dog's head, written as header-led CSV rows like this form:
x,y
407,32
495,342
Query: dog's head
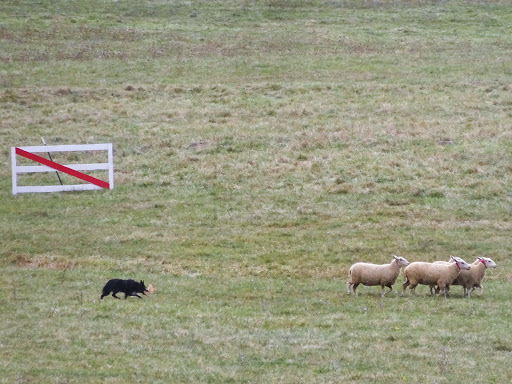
x,y
141,287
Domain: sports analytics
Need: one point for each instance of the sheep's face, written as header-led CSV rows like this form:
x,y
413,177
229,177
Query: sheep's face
x,y
461,263
401,261
489,263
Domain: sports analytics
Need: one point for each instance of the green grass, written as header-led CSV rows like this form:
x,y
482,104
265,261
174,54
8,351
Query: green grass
x,y
261,148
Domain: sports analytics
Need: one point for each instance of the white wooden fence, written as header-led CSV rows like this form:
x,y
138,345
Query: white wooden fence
x,y
72,169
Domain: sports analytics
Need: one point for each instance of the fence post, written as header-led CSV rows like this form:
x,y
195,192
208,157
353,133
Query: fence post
x,y
111,166
13,170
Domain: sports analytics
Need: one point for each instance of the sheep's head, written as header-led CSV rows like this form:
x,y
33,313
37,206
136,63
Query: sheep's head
x,y
401,261
488,262
460,263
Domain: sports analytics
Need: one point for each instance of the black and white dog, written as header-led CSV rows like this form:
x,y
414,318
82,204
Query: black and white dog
x,y
128,287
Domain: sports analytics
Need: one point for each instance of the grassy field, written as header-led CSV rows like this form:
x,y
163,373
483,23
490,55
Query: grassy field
x,y
260,148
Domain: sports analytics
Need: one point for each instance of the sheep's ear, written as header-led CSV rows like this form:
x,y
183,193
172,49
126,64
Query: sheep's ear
x,y
395,257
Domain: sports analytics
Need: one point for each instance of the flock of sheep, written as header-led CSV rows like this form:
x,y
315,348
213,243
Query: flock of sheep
x,y
439,275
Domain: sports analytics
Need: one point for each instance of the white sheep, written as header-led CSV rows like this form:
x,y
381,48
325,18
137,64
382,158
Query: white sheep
x,y
472,279
369,274
433,274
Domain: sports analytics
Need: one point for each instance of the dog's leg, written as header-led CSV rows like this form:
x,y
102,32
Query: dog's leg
x,y
114,295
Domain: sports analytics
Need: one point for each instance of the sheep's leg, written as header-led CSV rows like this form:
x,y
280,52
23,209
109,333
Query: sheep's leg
x,y
348,287
412,287
354,286
385,293
444,289
404,286
432,290
474,287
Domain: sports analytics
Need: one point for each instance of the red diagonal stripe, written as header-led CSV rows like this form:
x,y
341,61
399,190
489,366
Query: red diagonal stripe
x,y
63,168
